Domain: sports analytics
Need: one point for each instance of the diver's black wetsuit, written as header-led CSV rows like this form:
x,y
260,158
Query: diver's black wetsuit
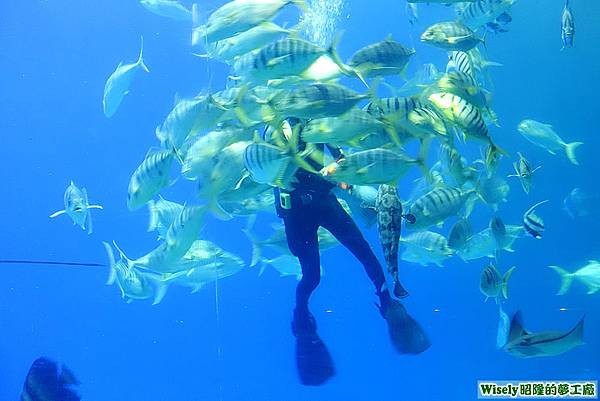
x,y
313,205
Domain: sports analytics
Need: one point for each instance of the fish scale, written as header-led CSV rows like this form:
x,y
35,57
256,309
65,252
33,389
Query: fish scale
x,y
389,225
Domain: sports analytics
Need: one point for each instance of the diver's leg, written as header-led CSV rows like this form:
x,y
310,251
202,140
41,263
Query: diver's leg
x,y
313,360
301,232
339,223
406,334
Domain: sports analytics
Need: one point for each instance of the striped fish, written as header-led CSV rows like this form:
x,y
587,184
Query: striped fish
x,y
187,118
534,224
464,86
567,27
149,178
268,164
426,247
314,101
184,230
281,59
440,203
498,229
387,57
492,284
235,17
375,166
340,130
460,61
524,172
409,116
459,234
482,12
466,117
451,35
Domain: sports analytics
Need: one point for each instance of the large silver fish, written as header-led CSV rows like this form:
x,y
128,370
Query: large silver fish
x,y
389,225
524,344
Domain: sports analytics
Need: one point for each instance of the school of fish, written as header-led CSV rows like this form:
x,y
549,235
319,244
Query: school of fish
x,y
240,142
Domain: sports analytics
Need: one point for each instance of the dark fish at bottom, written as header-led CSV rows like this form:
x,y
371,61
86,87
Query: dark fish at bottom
x,y
46,381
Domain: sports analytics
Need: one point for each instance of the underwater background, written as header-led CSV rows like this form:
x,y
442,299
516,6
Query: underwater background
x,y
232,339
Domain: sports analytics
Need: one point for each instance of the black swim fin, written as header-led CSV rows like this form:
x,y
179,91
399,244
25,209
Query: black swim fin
x,y
313,360
399,290
407,335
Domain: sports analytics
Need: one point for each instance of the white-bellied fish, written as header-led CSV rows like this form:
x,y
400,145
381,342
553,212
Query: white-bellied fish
x,y
387,57
426,247
149,178
261,35
286,265
451,35
524,344
117,85
534,225
342,129
199,157
77,207
167,8
567,26
281,59
524,172
376,166
588,275
235,17
545,137
187,118
492,284
134,284
389,227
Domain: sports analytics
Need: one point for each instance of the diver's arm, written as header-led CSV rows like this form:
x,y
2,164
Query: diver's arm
x,y
335,151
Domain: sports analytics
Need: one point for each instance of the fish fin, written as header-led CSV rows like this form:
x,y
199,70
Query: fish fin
x,y
567,279
56,214
278,60
140,61
365,169
152,216
95,207
256,248
89,223
197,288
577,331
570,149
218,210
161,291
112,275
507,276
516,327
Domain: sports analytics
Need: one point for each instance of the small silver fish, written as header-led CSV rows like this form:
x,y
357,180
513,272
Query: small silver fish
x,y
524,172
567,27
77,207
492,284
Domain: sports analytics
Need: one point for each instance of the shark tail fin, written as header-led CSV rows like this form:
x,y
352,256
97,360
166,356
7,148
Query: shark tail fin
x,y
567,279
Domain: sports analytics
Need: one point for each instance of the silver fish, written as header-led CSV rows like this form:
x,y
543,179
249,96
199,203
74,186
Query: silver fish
x,y
492,284
117,85
524,172
459,234
567,26
77,207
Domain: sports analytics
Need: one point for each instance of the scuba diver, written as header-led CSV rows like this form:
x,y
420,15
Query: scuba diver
x,y
310,204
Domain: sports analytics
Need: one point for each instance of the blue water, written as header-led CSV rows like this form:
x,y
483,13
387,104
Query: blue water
x,y
54,59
